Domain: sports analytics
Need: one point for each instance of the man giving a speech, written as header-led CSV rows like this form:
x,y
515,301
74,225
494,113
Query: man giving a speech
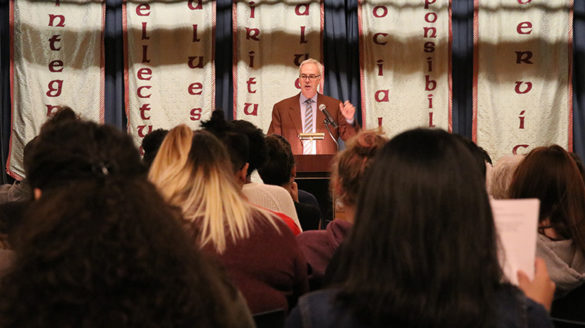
x,y
304,113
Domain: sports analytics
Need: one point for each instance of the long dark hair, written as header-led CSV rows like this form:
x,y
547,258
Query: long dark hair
x,y
423,251
552,176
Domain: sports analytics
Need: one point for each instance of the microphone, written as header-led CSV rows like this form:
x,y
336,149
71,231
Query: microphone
x,y
328,118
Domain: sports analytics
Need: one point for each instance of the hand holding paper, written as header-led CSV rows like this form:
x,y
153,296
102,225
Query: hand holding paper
x,y
541,289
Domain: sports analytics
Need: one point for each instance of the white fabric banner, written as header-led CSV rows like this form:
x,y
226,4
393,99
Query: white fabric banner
x,y
170,71
522,90
405,64
271,39
56,59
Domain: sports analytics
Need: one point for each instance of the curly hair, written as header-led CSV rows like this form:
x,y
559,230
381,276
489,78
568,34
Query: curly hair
x,y
115,255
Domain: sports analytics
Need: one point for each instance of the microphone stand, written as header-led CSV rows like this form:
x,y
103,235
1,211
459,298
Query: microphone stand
x,y
326,121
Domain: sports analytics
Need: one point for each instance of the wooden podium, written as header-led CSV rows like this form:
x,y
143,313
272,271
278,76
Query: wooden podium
x,y
313,174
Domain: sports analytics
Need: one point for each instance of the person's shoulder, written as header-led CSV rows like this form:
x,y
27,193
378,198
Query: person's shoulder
x,y
288,100
326,99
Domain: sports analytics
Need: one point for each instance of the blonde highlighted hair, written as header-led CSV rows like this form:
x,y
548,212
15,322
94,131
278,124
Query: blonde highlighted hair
x,y
192,170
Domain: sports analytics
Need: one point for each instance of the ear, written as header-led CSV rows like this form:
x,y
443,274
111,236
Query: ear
x,y
241,174
37,193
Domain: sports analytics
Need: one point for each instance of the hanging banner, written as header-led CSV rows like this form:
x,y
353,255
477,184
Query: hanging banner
x,y
522,75
271,39
56,59
405,64
169,73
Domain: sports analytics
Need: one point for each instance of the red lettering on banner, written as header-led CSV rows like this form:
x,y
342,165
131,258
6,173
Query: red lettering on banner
x,y
144,36
195,89
375,38
517,147
429,46
145,54
384,96
431,17
299,58
528,87
379,122
61,20
143,109
429,64
195,38
55,91
57,3
143,9
199,64
376,11
431,124
431,30
303,39
144,74
139,91
56,63
430,98
141,130
195,114
253,112
523,2
380,67
50,109
298,11
297,83
251,56
524,28
523,57
252,9
251,81
521,117
54,39
252,34
198,7
428,3
430,85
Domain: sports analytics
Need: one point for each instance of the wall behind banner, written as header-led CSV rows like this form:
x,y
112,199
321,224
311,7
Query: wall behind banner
x,y
341,59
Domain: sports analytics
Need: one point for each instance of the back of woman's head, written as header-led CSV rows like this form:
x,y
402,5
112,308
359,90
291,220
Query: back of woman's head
x,y
501,176
69,149
110,253
423,251
277,170
192,170
551,175
350,165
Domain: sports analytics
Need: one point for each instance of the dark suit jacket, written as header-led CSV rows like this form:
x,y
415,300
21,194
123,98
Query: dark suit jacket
x,y
286,121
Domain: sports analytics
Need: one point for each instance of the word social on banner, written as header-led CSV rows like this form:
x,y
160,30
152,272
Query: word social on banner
x,y
405,64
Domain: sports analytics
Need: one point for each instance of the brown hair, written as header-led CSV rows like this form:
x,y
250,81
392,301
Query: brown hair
x,y
551,175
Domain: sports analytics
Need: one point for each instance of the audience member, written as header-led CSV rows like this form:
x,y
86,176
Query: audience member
x,y
99,246
552,176
349,168
423,249
150,145
193,171
280,170
501,176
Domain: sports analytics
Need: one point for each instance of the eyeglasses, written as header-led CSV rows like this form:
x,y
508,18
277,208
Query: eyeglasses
x,y
310,77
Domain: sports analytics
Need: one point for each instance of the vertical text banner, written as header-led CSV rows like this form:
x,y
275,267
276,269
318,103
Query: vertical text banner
x,y
405,64
170,64
56,57
522,89
271,39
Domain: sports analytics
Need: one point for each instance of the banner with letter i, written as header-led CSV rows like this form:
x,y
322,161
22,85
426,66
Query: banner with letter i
x,y
405,64
56,59
170,75
271,39
522,75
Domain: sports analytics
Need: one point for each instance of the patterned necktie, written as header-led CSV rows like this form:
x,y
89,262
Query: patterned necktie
x,y
308,127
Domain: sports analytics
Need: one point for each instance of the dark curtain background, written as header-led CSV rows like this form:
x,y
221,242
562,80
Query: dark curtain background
x,y
341,59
